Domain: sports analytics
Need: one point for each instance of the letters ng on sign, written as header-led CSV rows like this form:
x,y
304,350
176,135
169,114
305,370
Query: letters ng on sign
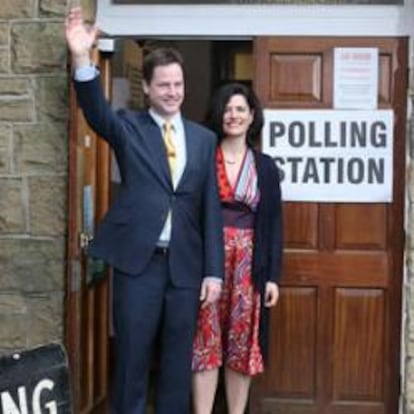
x,y
35,382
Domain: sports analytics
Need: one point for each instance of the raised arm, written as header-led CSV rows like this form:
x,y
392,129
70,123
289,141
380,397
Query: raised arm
x,y
97,111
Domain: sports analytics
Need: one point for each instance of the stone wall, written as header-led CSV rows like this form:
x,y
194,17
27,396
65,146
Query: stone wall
x,y
408,289
33,172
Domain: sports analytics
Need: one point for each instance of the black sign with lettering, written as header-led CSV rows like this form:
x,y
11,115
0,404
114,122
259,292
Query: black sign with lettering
x,y
35,382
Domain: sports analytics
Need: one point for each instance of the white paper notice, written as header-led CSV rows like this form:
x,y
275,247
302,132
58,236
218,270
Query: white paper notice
x,y
355,78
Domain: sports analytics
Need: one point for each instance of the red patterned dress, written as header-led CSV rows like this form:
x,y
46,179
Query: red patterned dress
x,y
228,330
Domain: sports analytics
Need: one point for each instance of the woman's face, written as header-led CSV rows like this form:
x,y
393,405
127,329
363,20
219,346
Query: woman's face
x,y
237,117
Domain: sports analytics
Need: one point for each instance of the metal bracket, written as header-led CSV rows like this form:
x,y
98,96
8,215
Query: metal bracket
x,y
84,240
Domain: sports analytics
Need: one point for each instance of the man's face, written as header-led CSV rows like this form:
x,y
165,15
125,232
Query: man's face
x,y
166,89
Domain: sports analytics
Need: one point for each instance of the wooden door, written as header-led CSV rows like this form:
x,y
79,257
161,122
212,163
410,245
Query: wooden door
x,y
87,313
335,334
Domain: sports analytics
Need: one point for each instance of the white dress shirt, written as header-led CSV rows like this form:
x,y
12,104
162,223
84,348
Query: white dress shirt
x,y
178,138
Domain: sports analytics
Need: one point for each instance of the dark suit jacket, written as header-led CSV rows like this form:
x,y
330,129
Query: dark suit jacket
x,y
127,236
268,240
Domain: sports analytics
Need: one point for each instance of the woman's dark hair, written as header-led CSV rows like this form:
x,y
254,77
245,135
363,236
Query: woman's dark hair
x,y
220,99
160,57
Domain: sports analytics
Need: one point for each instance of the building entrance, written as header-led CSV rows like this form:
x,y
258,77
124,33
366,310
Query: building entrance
x,y
335,335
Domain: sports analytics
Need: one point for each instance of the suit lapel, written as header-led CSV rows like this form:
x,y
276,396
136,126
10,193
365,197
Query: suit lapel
x,y
154,142
191,150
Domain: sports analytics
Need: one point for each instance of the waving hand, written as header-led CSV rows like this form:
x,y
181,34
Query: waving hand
x,y
79,36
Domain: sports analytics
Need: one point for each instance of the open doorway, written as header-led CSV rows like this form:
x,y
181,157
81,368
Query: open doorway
x,y
341,259
208,64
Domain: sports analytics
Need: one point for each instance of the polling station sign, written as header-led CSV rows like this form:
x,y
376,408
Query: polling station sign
x,y
35,382
331,155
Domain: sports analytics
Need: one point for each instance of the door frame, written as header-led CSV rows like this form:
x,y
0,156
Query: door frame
x,y
87,304
246,21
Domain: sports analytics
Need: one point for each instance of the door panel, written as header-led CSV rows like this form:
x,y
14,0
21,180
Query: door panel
x,y
357,228
335,334
296,335
303,228
293,77
304,85
87,311
358,327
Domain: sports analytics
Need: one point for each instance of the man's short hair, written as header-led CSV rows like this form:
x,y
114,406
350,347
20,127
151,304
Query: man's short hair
x,y
160,57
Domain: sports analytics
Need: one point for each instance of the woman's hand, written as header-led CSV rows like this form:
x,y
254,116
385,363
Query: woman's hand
x,y
271,294
210,290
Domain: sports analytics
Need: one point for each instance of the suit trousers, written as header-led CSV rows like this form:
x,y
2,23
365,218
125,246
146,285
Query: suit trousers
x,y
145,306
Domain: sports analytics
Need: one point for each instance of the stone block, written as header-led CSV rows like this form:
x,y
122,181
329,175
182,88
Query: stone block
x,y
40,148
13,9
5,149
17,110
47,205
13,331
4,34
38,47
4,60
46,318
410,251
48,8
12,304
410,180
14,86
409,232
12,208
51,95
409,380
13,320
410,133
89,9
32,265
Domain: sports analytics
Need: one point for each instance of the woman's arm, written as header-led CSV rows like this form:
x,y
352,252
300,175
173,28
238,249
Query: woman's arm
x,y
275,236
276,224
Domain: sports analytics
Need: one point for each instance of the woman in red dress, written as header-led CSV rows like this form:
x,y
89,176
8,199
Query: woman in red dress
x,y
233,331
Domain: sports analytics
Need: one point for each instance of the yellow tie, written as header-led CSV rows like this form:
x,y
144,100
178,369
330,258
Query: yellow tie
x,y
170,147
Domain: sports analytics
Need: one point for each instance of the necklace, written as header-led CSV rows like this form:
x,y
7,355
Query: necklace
x,y
235,157
230,161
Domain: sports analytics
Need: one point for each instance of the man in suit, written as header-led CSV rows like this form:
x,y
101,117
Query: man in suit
x,y
163,234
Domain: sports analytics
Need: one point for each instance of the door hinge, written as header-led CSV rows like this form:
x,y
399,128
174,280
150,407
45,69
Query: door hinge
x,y
84,240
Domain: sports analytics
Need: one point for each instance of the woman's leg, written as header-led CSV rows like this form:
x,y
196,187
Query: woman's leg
x,y
204,391
237,390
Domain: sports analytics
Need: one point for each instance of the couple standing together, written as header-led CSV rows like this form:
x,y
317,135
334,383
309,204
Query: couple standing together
x,y
194,237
